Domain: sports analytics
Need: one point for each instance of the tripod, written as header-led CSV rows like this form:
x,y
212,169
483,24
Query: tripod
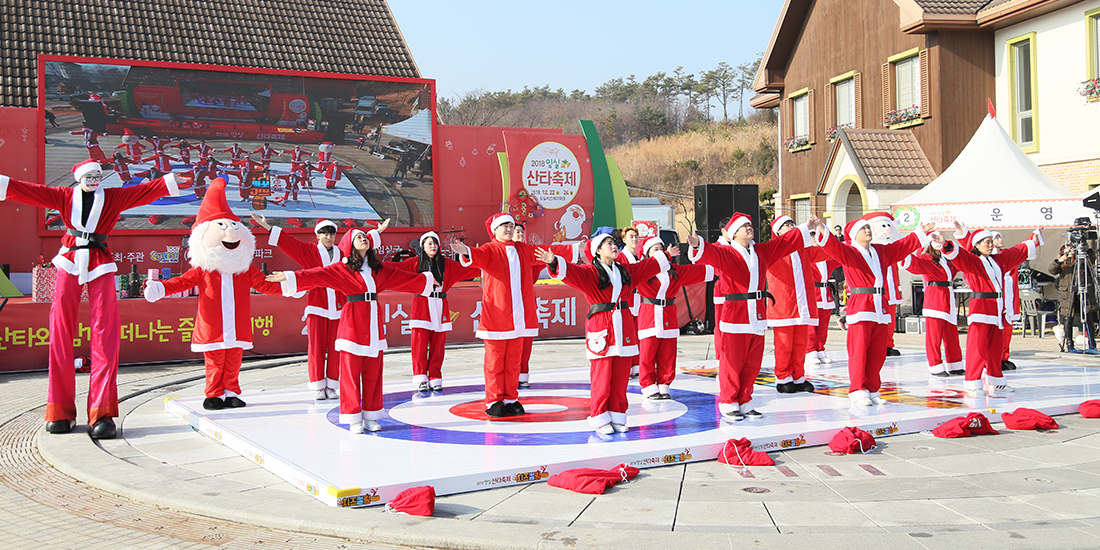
x,y
1084,278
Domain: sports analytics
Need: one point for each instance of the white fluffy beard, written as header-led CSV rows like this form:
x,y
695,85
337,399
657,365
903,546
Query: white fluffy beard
x,y
220,258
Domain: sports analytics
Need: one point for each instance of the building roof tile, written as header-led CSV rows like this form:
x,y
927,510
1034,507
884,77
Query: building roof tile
x,y
890,157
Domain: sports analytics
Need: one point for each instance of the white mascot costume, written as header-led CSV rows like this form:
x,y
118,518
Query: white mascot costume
x,y
884,230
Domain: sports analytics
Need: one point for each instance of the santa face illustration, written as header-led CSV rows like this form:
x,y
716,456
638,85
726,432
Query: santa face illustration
x,y
222,245
572,221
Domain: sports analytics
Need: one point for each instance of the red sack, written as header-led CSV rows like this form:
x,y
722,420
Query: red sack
x,y
155,219
592,480
1090,409
974,423
1028,419
188,221
350,223
852,440
739,452
415,501
294,222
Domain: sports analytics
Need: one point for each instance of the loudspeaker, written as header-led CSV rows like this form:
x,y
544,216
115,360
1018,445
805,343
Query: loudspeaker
x,y
716,202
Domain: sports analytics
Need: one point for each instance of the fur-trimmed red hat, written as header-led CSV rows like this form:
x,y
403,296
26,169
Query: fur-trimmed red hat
x,y
736,221
85,167
496,220
855,225
214,206
778,222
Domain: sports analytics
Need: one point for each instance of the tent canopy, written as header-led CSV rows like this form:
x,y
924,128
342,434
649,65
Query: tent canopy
x,y
416,128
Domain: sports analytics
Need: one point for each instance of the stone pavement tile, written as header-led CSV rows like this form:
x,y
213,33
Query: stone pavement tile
x,y
1057,454
1091,441
219,466
977,463
890,513
998,510
911,488
919,446
673,472
869,466
854,538
1007,440
190,456
1070,504
812,514
1090,467
257,477
1040,539
697,513
1035,481
142,434
539,502
752,490
643,490
468,505
647,514
712,470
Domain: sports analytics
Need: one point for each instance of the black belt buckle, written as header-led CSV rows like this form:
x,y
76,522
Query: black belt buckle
x,y
365,297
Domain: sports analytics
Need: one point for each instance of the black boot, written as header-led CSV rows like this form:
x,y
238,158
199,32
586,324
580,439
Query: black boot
x,y
213,404
234,402
1008,365
514,409
496,410
60,426
785,387
104,429
806,386
892,352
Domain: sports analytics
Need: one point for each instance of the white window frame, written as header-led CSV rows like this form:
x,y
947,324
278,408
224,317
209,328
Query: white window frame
x,y
907,96
1023,85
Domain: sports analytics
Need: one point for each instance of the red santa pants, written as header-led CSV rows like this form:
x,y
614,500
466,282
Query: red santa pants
x,y
867,342
892,309
1007,340
609,377
717,332
635,360
428,347
983,351
657,364
525,360
322,360
502,370
815,338
790,359
360,387
738,366
941,333
223,369
105,339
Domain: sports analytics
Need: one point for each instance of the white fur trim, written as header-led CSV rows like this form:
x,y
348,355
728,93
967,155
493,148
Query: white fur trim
x,y
663,387
1032,251
353,418
4,187
695,253
936,369
375,239
431,234
172,184
324,223
736,224
747,407
778,222
506,334
618,417
980,236
662,260
317,385
559,274
922,236
972,384
858,395
856,227
465,260
524,377
596,241
1038,233
354,348
807,238
651,389
501,220
419,379
273,238
726,408
225,344
709,274
86,167
600,420
290,285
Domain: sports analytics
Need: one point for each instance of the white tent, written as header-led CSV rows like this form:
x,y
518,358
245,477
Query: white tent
x,y
416,128
992,184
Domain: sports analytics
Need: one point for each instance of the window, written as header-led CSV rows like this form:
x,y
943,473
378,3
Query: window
x,y
1023,89
799,112
801,207
907,81
1092,33
801,116
845,103
906,89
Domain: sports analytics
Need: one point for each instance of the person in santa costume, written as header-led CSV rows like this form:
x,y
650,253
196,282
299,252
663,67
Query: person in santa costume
x,y
361,336
884,230
869,323
1012,304
794,313
985,275
324,155
333,172
825,303
246,170
121,166
221,255
658,322
323,305
235,152
131,144
508,309
297,157
720,290
431,321
742,266
91,142
940,310
611,337
184,149
266,152
162,163
89,213
629,254
205,151
206,169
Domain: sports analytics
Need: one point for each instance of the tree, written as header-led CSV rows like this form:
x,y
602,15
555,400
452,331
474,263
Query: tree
x,y
746,74
724,83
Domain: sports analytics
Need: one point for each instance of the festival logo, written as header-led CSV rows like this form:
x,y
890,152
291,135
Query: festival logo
x,y
538,475
551,174
907,217
886,430
170,256
791,443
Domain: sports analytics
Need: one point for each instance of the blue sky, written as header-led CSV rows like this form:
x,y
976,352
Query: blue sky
x,y
571,44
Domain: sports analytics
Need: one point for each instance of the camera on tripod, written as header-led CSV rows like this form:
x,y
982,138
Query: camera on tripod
x,y
1082,231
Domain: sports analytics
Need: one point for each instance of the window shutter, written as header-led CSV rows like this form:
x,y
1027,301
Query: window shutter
x,y
829,102
925,86
857,93
810,115
788,122
887,91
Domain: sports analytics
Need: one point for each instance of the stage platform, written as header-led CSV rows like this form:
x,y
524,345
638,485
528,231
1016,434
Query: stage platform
x,y
443,439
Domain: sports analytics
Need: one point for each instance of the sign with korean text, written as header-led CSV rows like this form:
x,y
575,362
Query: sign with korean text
x,y
549,186
993,214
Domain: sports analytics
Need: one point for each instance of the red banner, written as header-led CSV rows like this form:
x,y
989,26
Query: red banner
x,y
550,185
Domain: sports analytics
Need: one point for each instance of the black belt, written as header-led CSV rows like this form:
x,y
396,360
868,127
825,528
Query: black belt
x,y
97,238
866,290
758,295
367,297
821,285
937,283
658,302
440,295
986,295
610,306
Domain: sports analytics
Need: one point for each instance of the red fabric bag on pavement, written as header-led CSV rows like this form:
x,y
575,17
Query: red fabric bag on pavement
x,y
1090,409
592,480
739,452
1028,419
852,440
414,501
974,423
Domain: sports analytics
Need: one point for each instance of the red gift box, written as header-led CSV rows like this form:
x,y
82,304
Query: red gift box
x,y
43,281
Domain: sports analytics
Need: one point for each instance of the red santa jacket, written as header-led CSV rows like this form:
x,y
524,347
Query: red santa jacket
x,y
322,302
224,319
743,271
791,281
720,286
987,274
362,329
660,319
893,288
431,311
865,268
235,152
609,333
820,276
939,296
162,161
1012,295
628,257
266,152
133,150
296,155
75,257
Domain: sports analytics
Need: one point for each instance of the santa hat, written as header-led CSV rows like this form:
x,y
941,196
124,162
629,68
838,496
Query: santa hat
x,y
429,235
496,220
778,222
979,235
347,243
855,225
128,132
86,167
324,223
594,244
649,243
736,221
214,206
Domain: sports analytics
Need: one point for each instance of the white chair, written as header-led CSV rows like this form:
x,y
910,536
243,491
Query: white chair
x,y
1031,314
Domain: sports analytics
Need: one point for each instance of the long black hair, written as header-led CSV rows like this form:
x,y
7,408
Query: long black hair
x,y
436,264
603,280
355,261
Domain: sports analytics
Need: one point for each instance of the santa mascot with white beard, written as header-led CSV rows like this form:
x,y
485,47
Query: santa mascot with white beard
x,y
221,255
884,230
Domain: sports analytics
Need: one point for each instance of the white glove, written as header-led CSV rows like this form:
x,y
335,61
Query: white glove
x,y
154,290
